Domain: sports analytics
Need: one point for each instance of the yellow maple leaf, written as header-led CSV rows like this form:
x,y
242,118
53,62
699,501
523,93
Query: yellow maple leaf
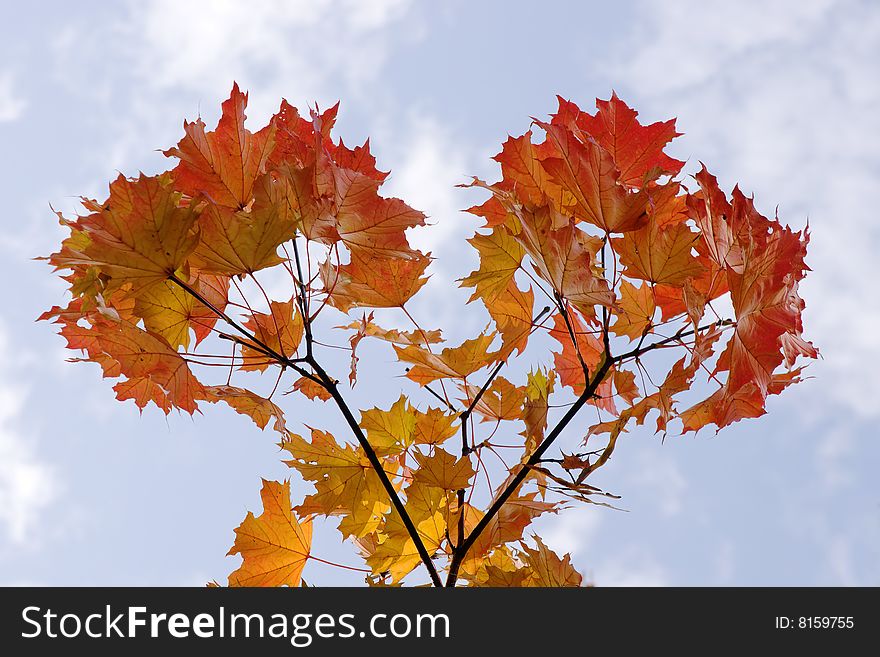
x,y
636,310
345,482
396,552
274,545
443,470
451,363
390,431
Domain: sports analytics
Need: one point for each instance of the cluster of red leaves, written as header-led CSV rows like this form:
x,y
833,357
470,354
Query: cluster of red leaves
x,y
618,243
592,218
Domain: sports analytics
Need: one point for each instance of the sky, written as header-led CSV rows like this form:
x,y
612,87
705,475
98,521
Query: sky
x,y
782,98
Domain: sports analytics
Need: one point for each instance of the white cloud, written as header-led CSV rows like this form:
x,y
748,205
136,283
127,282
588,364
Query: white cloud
x,y
784,98
430,164
632,566
26,484
572,531
725,563
11,104
658,474
294,46
833,456
840,560
685,44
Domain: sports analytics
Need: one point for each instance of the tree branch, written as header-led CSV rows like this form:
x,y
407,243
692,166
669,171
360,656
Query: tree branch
x,y
330,385
641,351
303,301
256,343
494,373
461,551
560,303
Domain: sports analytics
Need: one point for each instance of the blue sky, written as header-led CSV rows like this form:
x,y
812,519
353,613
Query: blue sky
x,y
781,97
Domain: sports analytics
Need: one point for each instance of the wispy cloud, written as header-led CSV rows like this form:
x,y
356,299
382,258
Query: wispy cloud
x,y
784,97
12,105
295,46
26,484
632,566
660,478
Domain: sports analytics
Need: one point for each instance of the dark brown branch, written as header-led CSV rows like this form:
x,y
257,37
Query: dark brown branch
x,y
252,341
641,351
303,301
330,385
495,372
461,551
560,303
465,450
465,417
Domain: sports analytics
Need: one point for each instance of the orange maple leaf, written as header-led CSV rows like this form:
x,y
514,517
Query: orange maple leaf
x,y
222,165
274,545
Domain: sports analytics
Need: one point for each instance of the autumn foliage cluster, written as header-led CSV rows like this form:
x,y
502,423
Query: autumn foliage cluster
x,y
652,292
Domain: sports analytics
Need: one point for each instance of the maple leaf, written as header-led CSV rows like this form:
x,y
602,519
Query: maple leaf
x,y
222,165
311,389
390,431
139,237
297,140
501,256
296,137
443,470
274,545
536,405
625,385
154,371
563,256
375,282
396,552
235,242
522,170
764,262
512,313
590,175
434,426
368,221
345,482
711,211
451,363
501,401
246,402
723,408
547,568
659,254
169,310
636,149
493,210
636,310
281,329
